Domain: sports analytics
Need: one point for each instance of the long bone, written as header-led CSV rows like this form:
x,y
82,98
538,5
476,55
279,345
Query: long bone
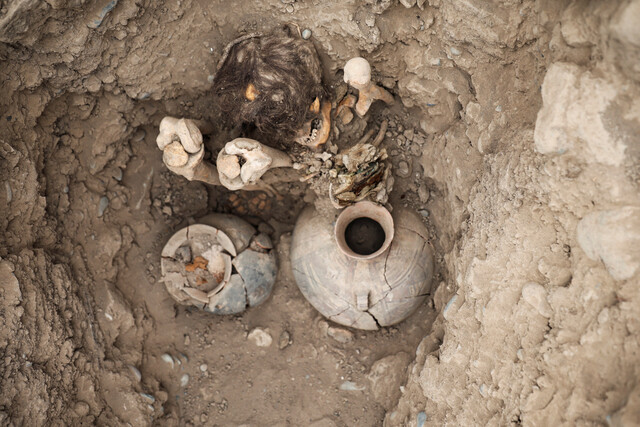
x,y
243,161
357,73
182,150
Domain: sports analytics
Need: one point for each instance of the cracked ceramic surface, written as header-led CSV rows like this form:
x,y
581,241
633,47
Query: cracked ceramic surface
x,y
362,293
222,265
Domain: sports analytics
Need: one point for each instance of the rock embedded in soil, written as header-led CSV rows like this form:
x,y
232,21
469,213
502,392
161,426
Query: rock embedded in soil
x,y
284,341
341,335
403,170
260,337
386,377
184,380
81,408
536,296
613,236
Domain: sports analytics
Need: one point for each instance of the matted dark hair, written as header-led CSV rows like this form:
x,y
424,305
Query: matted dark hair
x,y
287,75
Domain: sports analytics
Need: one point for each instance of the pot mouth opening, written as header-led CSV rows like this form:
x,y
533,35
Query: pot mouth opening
x,y
364,230
364,235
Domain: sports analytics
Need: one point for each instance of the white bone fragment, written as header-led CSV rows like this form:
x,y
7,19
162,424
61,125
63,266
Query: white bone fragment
x,y
253,160
181,143
357,73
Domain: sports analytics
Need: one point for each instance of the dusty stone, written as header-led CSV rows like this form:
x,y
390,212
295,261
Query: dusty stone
x,y
386,377
403,170
341,335
423,194
284,340
81,409
536,296
260,337
613,236
573,117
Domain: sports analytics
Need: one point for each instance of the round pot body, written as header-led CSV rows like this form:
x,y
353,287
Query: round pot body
x,y
356,291
221,264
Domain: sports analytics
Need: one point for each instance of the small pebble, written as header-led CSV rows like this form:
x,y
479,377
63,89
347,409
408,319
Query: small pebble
x,y
423,194
341,335
176,360
403,170
455,51
284,340
102,205
289,8
306,34
421,419
324,156
350,386
81,408
203,367
260,337
136,373
149,398
167,359
187,339
184,380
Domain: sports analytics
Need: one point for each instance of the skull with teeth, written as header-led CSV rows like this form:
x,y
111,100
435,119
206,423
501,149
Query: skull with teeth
x,y
272,85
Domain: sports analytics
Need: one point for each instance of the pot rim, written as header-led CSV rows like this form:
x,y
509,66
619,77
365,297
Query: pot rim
x,y
364,209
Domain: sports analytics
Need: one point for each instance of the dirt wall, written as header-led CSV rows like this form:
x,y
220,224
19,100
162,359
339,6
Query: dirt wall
x,y
525,121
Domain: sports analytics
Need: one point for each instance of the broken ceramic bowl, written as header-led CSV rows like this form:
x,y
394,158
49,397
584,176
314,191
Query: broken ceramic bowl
x,y
366,269
222,265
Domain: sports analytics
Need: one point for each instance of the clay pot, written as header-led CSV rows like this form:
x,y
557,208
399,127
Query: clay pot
x,y
222,265
367,269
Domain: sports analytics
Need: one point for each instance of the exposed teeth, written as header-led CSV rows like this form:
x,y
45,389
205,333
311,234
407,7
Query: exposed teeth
x,y
311,137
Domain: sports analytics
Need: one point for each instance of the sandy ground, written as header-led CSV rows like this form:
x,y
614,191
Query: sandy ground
x,y
518,123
